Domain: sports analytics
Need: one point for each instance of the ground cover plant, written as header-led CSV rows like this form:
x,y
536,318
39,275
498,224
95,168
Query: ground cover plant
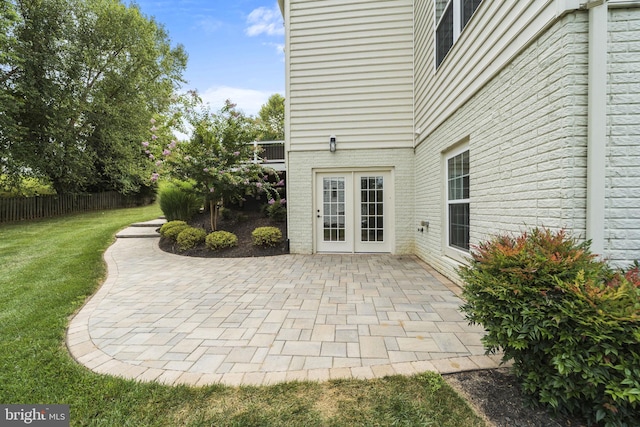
x,y
569,322
50,267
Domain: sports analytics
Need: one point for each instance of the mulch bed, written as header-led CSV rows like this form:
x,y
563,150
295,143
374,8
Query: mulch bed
x,y
495,394
241,223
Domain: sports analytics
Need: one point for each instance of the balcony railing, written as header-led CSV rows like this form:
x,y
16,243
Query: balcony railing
x,y
270,153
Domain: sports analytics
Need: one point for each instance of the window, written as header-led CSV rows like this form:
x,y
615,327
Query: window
x,y
458,201
451,18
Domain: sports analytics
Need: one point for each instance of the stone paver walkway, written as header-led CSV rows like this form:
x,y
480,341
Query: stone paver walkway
x,y
181,320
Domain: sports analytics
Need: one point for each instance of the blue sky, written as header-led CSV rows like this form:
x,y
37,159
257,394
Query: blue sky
x,y
235,47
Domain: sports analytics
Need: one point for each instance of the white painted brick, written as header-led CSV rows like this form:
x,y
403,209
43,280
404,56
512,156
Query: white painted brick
x,y
300,191
527,140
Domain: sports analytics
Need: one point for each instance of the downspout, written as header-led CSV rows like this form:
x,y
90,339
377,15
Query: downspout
x,y
284,9
597,124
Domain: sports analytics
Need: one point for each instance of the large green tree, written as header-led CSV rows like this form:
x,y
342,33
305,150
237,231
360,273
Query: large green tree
x,y
8,104
87,77
217,159
271,119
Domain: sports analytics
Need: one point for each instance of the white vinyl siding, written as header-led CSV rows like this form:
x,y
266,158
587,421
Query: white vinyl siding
x,y
498,32
350,74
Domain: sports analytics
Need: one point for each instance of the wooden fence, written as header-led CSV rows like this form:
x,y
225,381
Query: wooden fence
x,y
26,208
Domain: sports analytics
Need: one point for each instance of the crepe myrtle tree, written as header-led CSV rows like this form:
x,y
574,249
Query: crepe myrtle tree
x,y
218,158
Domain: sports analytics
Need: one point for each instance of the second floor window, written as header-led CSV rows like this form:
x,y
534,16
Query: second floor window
x,y
451,18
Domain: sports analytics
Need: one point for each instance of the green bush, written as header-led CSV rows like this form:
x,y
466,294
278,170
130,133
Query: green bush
x,y
225,213
178,202
276,210
190,237
266,236
232,215
570,324
11,186
221,239
171,229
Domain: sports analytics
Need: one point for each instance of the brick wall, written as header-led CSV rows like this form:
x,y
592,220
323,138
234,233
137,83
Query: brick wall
x,y
623,163
300,190
526,132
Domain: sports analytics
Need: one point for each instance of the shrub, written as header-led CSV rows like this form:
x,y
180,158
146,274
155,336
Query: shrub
x,y
177,202
266,236
170,224
221,239
232,215
570,324
225,213
171,229
190,237
276,209
241,217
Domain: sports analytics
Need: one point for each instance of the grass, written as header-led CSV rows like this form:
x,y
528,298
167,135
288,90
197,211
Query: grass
x,y
48,268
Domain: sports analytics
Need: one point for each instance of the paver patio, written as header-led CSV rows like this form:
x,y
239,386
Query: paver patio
x,y
183,320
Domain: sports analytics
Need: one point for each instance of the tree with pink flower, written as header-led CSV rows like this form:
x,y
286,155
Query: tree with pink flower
x,y
217,158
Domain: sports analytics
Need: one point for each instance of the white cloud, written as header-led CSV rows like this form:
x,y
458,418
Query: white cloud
x,y
209,24
264,20
279,48
247,100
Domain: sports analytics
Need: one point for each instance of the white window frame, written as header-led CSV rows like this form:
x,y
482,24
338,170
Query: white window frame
x,y
457,26
451,251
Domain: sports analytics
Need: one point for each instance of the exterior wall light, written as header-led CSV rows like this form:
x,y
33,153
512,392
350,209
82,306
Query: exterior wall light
x,y
332,143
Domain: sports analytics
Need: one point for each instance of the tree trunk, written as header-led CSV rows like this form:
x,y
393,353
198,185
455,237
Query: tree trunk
x,y
213,215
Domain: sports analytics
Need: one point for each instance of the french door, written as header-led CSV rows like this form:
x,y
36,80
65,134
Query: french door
x,y
354,212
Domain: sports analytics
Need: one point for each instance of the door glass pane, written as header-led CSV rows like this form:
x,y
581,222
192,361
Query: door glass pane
x,y
334,209
371,208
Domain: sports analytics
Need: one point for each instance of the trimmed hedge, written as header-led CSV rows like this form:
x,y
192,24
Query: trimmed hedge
x,y
190,237
221,239
569,322
266,236
171,229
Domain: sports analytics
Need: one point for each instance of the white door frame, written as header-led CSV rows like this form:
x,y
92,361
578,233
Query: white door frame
x,y
349,229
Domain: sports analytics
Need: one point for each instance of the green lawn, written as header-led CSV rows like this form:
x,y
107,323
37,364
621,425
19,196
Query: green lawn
x,y
47,270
